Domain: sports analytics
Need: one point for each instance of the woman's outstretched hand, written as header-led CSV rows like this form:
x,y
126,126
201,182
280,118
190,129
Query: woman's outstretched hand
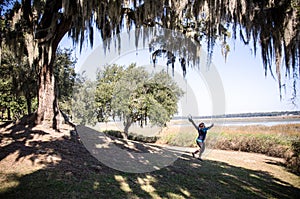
x,y
190,118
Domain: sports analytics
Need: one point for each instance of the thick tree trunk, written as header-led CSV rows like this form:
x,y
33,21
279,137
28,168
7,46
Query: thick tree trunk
x,y
48,112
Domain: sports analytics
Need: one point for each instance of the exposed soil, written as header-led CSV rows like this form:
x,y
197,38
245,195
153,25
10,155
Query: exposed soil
x,y
25,150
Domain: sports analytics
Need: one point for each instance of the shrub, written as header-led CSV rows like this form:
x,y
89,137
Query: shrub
x,y
186,139
256,144
131,136
293,158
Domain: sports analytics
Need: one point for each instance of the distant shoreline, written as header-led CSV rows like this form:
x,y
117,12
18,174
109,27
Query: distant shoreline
x,y
242,121
277,114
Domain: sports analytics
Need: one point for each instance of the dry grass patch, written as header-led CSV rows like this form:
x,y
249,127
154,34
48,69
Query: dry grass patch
x,y
277,141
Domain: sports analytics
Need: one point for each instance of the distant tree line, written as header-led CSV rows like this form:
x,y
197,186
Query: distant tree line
x,y
257,114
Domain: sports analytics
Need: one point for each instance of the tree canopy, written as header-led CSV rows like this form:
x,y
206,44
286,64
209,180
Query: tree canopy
x,y
34,28
134,95
272,25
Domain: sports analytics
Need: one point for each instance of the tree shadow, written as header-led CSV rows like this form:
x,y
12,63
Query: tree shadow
x,y
274,162
70,171
16,140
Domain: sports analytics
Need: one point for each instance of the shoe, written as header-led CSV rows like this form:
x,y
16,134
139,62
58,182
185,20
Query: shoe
x,y
193,154
200,159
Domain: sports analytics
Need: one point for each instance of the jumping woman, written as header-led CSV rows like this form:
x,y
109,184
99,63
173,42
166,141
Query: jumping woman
x,y
202,130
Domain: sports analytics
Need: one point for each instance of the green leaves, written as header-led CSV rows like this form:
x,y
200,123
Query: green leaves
x,y
64,72
83,104
18,83
133,93
17,86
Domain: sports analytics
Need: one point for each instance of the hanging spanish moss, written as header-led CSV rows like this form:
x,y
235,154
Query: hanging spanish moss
x,y
34,28
272,25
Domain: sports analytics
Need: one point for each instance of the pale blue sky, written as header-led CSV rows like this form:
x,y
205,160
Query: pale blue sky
x,y
246,87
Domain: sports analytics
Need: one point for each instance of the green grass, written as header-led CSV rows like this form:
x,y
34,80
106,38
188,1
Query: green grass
x,y
186,178
80,175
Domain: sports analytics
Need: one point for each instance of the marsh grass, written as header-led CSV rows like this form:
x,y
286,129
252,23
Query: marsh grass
x,y
278,141
283,135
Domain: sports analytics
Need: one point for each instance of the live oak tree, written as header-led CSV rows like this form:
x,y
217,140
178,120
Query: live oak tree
x,y
35,27
18,83
133,95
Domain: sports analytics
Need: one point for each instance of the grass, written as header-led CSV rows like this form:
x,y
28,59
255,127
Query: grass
x,y
27,172
283,135
277,141
186,178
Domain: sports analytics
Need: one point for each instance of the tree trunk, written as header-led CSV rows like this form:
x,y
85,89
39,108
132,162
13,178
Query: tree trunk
x,y
127,125
28,102
8,114
48,112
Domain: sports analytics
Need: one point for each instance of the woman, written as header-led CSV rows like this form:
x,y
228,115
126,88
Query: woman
x,y
202,130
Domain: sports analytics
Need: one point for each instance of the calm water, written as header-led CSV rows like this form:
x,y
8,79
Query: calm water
x,y
264,123
245,122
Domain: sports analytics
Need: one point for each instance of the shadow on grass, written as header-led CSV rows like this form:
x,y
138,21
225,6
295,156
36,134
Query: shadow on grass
x,y
77,174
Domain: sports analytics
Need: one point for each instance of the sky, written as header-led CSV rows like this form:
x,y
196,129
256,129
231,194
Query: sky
x,y
237,85
247,87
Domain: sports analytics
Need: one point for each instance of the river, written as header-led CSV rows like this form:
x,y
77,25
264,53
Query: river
x,y
268,121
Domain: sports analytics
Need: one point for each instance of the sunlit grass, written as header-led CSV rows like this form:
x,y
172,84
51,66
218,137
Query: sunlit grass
x,y
271,140
278,140
284,130
77,175
8,182
181,180
124,186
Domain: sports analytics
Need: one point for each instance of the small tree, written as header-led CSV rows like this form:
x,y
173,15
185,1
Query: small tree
x,y
83,106
133,95
65,78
